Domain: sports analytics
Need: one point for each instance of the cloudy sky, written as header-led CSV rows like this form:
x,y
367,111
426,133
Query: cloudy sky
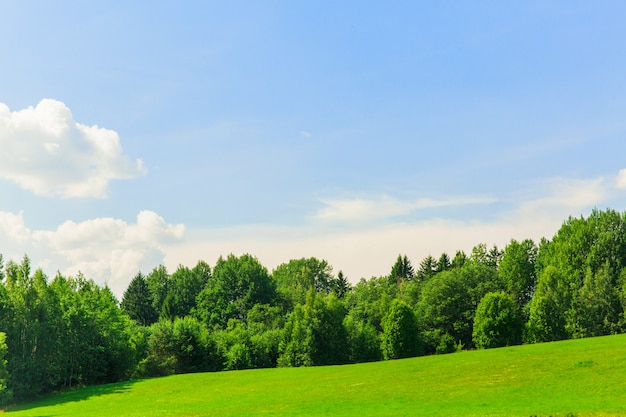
x,y
140,133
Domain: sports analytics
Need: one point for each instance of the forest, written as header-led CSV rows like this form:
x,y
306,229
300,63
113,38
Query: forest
x,y
61,332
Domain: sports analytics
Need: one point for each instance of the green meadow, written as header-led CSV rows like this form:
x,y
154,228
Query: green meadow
x,y
584,377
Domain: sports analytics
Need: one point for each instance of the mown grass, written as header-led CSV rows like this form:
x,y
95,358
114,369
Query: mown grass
x,y
581,378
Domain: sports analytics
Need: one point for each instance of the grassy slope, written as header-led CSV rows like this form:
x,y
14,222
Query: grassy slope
x,y
583,377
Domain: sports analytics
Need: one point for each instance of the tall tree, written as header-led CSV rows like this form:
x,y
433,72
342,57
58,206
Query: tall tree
x,y
596,307
5,393
402,270
183,288
443,263
459,259
400,337
497,322
449,300
517,271
137,301
294,279
427,269
341,285
314,333
549,307
157,281
237,284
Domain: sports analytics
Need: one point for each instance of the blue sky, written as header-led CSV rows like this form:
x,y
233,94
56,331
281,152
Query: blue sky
x,y
139,133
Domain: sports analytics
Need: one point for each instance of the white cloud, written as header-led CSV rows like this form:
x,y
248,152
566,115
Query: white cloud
x,y
360,210
46,151
563,195
620,181
12,226
107,250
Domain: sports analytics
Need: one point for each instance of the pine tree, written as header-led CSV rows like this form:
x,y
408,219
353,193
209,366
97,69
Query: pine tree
x,y
137,301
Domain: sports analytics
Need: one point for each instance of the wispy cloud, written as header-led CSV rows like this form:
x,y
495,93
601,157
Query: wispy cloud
x,y
369,248
561,195
46,151
384,207
620,181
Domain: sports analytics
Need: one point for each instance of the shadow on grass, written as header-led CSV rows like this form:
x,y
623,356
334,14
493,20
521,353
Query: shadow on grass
x,y
74,395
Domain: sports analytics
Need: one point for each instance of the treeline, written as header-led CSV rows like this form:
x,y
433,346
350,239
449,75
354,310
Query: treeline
x,y
68,331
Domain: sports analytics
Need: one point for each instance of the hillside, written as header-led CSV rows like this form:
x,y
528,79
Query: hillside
x,y
577,377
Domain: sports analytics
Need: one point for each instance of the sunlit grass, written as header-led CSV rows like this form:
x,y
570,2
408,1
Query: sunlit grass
x,y
582,378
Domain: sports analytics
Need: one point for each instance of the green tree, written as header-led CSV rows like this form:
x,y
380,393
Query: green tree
x,y
5,393
427,269
596,307
137,301
459,259
369,300
488,257
497,322
32,345
400,337
314,333
179,346
294,279
549,307
449,300
341,285
237,284
402,270
264,325
296,343
517,271
158,281
183,288
443,263
363,341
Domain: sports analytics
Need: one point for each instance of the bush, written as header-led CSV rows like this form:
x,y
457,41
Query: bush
x,y
497,322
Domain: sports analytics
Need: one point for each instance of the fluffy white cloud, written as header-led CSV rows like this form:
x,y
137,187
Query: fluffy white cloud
x,y
107,250
46,151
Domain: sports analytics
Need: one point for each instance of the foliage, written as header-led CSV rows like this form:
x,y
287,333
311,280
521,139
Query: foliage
x,y
137,301
341,285
427,269
517,271
363,341
549,307
369,300
449,300
6,394
182,289
294,279
400,338
179,346
237,284
497,322
314,333
402,270
158,281
66,333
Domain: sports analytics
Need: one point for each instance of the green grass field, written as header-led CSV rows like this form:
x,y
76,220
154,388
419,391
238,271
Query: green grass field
x,y
581,377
